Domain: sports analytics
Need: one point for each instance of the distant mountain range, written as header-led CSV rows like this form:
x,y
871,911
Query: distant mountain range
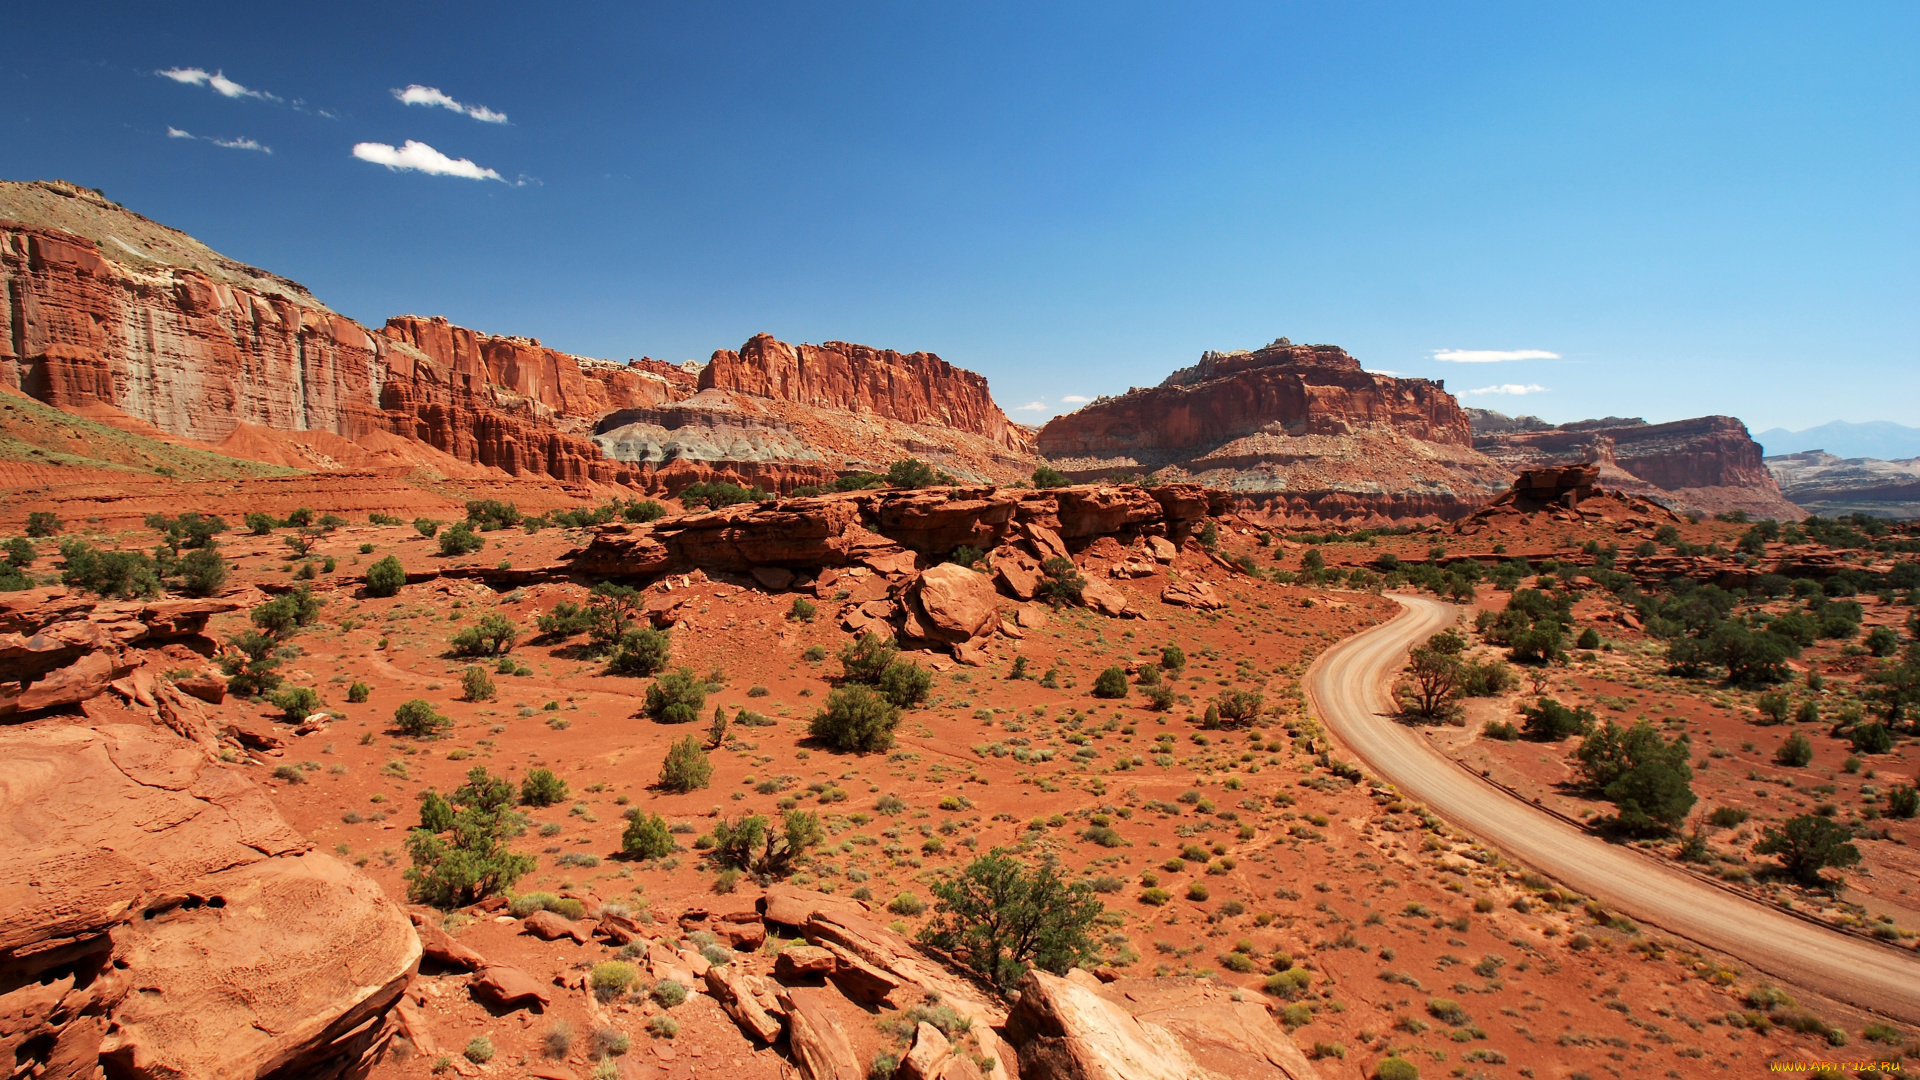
x,y
1881,439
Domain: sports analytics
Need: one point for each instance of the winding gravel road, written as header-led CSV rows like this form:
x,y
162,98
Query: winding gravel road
x,y
1350,688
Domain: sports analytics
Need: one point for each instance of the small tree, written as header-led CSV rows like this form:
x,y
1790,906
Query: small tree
x,y
1173,659
856,718
460,539
252,670
1111,683
542,788
418,719
913,473
1641,773
359,692
1238,706
426,527
385,577
677,697
751,844
203,572
1000,919
1063,583
686,767
1046,476
717,730
565,620
1433,683
493,635
283,616
468,860
646,836
1809,844
867,658
614,610
43,523
642,651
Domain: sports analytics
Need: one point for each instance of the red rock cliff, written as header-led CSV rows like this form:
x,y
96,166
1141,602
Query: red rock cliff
x,y
915,388
1297,389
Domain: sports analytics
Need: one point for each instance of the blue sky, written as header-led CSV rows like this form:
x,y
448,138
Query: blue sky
x,y
1701,210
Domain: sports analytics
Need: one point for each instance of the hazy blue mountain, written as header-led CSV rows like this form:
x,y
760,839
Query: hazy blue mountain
x,y
1881,439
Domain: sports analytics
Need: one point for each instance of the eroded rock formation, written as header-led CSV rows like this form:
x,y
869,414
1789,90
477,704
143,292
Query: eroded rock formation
x,y
1831,486
159,917
1299,430
1707,464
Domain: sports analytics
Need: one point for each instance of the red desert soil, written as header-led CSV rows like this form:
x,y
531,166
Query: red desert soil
x,y
1262,844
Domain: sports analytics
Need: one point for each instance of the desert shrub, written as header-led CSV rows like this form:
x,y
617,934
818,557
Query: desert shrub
x,y
646,837
802,610
1111,683
1047,476
202,572
753,845
488,515
999,918
1550,721
1795,752
611,978
565,620
669,993
867,658
1644,775
296,703
1288,983
358,693
1872,738
1172,658
252,670
685,767
905,684
1447,1011
479,1050
476,684
1063,583
1238,706
1903,801
913,473
856,718
676,697
468,861
641,651
189,530
1809,844
493,635
20,553
282,616
643,511
460,539
1488,679
1498,729
43,523
418,719
118,575
907,904
1395,1068
426,527
1160,697
541,787
385,577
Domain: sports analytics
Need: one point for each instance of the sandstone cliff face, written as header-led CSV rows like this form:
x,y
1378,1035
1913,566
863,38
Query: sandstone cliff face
x,y
1707,464
915,388
1830,486
1298,430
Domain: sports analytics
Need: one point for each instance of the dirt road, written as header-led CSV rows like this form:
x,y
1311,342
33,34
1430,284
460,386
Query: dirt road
x,y
1349,688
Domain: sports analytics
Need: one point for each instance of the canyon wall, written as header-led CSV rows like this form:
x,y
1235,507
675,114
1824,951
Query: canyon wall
x,y
913,388
1297,431
1707,464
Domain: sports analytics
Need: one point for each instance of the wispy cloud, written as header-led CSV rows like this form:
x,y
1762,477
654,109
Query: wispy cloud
x,y
220,84
1076,399
1491,356
1031,406
434,98
1384,371
419,157
242,143
1515,389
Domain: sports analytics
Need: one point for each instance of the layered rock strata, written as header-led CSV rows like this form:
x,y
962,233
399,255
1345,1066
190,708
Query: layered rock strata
x,y
1830,486
1300,431
1708,464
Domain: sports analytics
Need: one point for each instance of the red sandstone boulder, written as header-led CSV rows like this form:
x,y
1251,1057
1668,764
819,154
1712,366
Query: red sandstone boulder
x,y
820,1046
549,926
508,987
958,603
1107,599
1192,593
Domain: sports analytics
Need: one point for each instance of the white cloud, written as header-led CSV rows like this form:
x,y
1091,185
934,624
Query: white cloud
x,y
1031,406
242,143
420,157
221,85
430,96
1384,371
1491,356
1515,389
1076,399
